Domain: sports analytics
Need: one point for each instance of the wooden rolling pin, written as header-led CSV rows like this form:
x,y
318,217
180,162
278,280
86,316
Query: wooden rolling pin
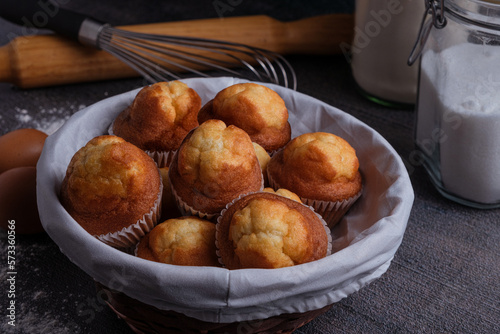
x,y
45,60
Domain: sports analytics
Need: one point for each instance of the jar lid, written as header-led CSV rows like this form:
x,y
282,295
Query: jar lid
x,y
482,13
485,13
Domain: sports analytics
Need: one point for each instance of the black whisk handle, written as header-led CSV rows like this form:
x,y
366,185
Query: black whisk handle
x,y
42,14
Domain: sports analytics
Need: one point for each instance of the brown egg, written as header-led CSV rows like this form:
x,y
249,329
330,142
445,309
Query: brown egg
x,y
20,148
18,200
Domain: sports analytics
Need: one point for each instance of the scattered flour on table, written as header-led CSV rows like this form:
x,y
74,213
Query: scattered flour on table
x,y
29,318
32,321
46,120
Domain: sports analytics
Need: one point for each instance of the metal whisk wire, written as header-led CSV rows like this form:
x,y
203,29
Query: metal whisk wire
x,y
164,57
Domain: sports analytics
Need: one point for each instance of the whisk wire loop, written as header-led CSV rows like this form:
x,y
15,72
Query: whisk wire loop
x,y
159,52
164,57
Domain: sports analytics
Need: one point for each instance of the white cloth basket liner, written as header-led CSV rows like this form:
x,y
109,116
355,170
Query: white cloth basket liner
x,y
367,238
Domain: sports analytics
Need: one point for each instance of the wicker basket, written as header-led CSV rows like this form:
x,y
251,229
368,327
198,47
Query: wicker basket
x,y
229,301
147,319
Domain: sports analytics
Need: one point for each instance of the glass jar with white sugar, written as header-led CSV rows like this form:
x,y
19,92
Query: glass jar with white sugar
x,y
457,131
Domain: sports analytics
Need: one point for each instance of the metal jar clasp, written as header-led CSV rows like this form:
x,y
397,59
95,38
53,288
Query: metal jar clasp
x,y
433,16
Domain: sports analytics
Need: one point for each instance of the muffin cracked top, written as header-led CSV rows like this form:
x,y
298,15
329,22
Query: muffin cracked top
x,y
317,165
265,230
109,185
188,241
258,110
160,116
215,164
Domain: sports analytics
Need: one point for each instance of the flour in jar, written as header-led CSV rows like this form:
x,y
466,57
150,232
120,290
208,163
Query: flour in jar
x,y
459,119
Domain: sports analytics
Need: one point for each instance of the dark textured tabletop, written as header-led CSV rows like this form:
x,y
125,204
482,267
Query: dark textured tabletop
x,y
444,277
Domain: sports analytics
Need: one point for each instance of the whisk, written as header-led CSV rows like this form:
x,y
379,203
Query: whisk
x,y
156,57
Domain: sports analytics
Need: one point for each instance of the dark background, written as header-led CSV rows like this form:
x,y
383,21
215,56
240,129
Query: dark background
x,y
443,279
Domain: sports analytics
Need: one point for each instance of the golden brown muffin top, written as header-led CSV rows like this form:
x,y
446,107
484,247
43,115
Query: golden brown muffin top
x,y
185,241
284,192
265,230
215,164
160,116
258,110
317,165
109,185
263,158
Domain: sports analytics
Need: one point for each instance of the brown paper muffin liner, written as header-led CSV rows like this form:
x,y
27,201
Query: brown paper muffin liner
x,y
110,129
187,210
217,226
134,249
332,212
271,153
162,158
129,236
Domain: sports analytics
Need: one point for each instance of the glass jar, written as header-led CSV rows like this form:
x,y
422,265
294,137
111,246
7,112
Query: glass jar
x,y
384,33
457,130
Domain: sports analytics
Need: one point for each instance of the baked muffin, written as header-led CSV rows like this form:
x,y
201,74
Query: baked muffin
x,y
214,165
113,190
263,158
283,192
266,230
159,118
185,241
322,169
258,110
168,205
